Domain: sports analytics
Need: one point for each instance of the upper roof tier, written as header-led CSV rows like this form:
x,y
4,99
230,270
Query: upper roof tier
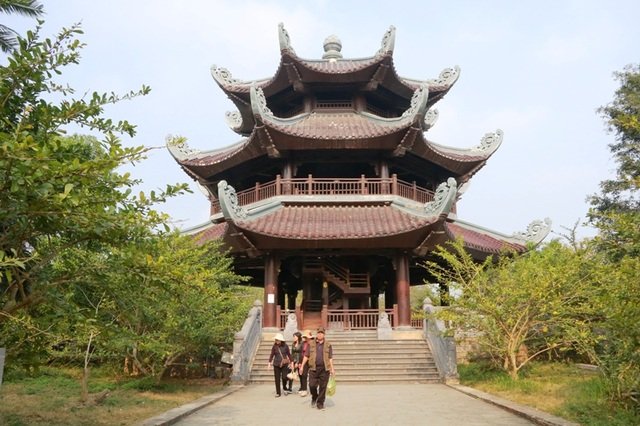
x,y
374,76
335,104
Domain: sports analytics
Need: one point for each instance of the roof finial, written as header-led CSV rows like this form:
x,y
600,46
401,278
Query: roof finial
x,y
332,48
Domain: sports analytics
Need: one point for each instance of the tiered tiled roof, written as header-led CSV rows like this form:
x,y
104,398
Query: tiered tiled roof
x,y
312,120
326,222
337,126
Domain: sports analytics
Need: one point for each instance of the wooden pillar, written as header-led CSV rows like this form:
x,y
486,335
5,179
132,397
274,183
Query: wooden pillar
x,y
402,290
384,176
287,175
384,170
270,291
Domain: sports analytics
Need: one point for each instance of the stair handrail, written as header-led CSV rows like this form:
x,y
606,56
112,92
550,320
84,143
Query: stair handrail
x,y
443,347
350,280
338,270
245,344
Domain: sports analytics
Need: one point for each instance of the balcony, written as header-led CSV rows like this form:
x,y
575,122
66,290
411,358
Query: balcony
x,y
330,186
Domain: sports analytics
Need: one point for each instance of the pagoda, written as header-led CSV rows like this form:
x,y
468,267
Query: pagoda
x,y
334,195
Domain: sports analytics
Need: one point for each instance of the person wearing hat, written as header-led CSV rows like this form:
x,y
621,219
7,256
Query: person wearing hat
x,y
279,359
303,371
319,357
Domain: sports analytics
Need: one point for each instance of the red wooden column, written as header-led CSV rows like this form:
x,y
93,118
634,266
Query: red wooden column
x,y
270,291
402,290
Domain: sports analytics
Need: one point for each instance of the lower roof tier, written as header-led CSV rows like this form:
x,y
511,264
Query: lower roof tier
x,y
362,228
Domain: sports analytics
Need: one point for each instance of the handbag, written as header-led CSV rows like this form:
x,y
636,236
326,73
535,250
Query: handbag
x,y
331,386
292,376
284,361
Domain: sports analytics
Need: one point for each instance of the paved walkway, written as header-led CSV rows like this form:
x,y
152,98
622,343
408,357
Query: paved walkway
x,y
355,404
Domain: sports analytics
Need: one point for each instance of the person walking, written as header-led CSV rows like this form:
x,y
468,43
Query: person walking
x,y
320,360
296,359
303,369
279,359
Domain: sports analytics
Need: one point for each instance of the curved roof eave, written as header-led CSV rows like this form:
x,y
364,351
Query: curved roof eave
x,y
395,217
445,81
185,155
205,164
462,161
489,241
414,114
489,144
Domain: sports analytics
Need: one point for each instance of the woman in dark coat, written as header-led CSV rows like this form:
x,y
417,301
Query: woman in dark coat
x,y
296,358
279,359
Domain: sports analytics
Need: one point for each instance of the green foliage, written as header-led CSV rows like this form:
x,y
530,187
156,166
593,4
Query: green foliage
x,y
522,306
31,8
619,355
616,214
89,271
623,119
56,191
558,388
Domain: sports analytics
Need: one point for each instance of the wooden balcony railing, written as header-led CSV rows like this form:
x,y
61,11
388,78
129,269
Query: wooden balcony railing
x,y
360,319
330,186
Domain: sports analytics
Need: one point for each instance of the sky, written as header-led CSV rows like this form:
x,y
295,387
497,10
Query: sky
x,y
538,70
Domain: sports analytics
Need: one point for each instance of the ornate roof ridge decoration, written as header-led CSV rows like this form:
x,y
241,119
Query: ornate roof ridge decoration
x,y
180,149
234,120
418,104
228,198
430,118
489,143
332,48
225,79
285,40
183,153
535,233
259,103
446,78
388,42
443,199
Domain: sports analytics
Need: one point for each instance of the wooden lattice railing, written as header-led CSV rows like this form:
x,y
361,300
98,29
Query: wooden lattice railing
x,y
360,319
331,186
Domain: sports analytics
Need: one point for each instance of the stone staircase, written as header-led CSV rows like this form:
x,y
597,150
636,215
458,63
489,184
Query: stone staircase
x,y
359,357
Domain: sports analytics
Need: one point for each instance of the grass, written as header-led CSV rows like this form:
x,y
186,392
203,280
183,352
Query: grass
x,y
557,388
53,398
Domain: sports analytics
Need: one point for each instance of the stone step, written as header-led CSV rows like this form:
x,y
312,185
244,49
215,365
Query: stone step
x,y
402,370
370,364
361,357
367,355
364,350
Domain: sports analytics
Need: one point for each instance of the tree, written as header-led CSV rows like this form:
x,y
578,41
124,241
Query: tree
x,y
88,270
151,302
522,306
58,191
616,214
31,8
616,210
